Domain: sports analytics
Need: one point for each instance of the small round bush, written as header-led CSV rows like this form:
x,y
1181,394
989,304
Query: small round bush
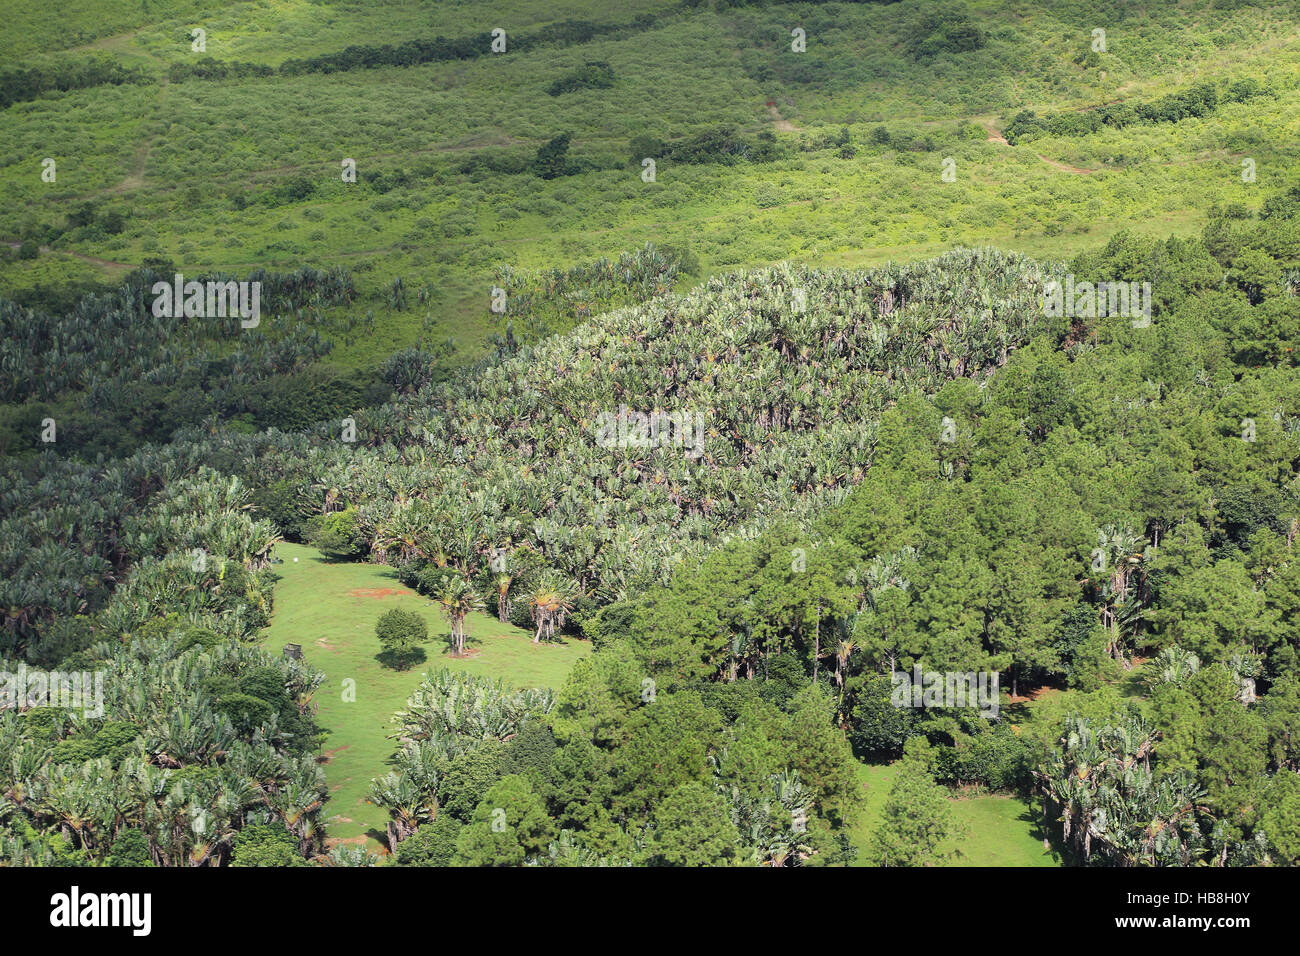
x,y
401,633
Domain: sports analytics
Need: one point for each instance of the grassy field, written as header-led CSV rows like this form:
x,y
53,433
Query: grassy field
x,y
330,609
197,167
1000,830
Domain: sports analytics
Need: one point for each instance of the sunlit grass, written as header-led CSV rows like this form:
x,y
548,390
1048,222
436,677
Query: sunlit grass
x,y
331,608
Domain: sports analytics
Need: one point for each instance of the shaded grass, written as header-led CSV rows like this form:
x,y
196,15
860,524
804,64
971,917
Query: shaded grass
x,y
330,608
1000,830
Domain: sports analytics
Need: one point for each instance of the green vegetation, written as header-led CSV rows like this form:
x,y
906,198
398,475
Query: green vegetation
x,y
331,610
444,196
996,829
650,421
401,633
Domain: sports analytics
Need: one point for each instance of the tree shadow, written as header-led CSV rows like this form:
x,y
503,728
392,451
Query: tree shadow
x,y
402,660
332,557
559,640
1033,815
449,646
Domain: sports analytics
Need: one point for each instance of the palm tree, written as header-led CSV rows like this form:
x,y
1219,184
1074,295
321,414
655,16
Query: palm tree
x,y
843,651
552,599
408,804
458,598
503,601
1173,665
1120,550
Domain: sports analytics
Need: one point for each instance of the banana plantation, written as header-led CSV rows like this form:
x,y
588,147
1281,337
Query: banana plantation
x,y
106,343
504,462
208,733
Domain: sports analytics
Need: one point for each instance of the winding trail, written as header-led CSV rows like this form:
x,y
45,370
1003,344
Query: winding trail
x,y
92,260
994,136
779,121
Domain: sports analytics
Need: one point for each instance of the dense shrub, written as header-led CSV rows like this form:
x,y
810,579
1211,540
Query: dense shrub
x,y
591,76
401,633
335,533
27,83
433,844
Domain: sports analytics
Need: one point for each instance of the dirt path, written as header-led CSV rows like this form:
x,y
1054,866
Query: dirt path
x,y
1064,167
93,260
496,140
996,137
135,178
779,121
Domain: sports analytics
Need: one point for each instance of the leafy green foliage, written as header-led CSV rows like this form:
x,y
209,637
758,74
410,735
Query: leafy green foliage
x,y
917,821
401,633
591,76
509,826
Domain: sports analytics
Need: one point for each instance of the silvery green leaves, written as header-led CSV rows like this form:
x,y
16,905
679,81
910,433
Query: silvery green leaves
x,y
24,689
456,710
208,299
544,303
127,344
782,403
657,429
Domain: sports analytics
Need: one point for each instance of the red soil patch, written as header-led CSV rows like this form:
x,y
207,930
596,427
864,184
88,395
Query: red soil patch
x,y
780,122
994,136
377,592
337,841
1033,695
328,755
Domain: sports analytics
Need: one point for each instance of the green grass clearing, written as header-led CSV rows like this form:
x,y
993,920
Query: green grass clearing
x,y
330,608
1001,830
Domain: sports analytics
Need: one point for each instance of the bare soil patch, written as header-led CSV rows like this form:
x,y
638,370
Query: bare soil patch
x,y
377,592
